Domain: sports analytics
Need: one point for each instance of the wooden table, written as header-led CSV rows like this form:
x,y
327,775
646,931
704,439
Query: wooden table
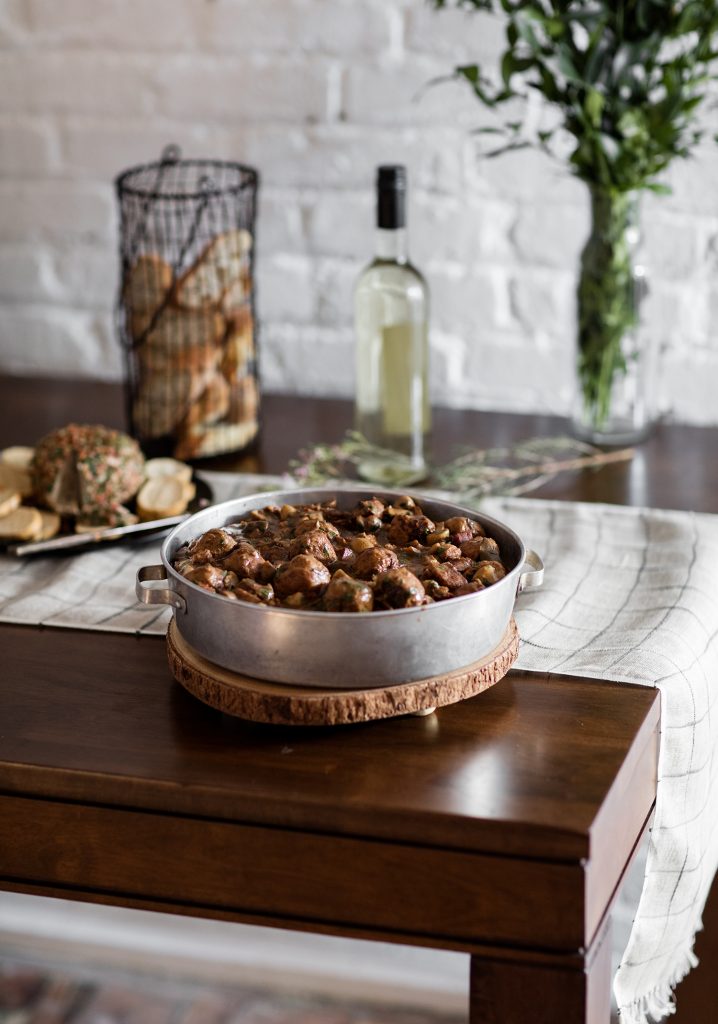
x,y
501,826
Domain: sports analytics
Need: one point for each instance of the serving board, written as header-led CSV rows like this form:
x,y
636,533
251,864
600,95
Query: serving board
x,y
280,704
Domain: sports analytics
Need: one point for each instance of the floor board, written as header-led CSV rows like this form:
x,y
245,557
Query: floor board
x,y
41,994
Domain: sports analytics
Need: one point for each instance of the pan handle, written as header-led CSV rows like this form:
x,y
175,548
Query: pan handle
x,y
533,577
157,595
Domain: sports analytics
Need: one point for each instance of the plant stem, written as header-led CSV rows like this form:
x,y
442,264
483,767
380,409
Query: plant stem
x,y
606,301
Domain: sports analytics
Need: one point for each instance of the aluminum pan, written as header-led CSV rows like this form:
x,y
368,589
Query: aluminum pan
x,y
339,649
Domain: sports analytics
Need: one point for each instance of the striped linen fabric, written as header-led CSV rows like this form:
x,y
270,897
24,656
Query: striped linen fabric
x,y
629,596
96,589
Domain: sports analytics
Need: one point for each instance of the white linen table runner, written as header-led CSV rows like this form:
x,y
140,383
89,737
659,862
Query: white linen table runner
x,y
629,596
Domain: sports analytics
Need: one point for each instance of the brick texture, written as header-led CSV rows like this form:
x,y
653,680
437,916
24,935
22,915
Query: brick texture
x,y
315,94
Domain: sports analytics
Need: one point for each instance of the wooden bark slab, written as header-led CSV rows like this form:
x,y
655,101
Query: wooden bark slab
x,y
279,704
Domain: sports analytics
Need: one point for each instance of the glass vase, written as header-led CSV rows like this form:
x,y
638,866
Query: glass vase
x,y
614,366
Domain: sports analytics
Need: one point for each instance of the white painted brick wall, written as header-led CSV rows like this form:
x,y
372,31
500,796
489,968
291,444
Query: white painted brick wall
x,y
316,93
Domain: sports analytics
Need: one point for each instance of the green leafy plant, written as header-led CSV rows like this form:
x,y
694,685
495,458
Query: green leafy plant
x,y
623,81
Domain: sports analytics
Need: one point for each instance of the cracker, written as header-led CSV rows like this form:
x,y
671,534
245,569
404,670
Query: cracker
x,y
24,523
9,500
50,525
168,467
19,456
162,496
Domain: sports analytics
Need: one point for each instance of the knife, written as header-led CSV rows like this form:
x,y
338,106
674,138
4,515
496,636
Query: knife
x,y
102,533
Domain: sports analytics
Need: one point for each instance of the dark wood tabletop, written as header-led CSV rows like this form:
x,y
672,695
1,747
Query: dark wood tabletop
x,y
500,826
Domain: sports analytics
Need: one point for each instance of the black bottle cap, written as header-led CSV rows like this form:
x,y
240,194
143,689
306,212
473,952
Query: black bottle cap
x,y
391,196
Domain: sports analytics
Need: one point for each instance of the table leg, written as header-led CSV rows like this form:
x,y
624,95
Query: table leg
x,y
514,991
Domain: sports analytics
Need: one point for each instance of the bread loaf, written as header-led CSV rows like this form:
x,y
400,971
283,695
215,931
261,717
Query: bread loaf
x,y
222,263
238,348
164,399
148,282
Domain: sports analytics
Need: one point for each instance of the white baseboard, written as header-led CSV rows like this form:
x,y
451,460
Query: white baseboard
x,y
96,937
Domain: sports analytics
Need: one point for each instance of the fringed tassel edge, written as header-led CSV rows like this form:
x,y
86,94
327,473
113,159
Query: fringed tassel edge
x,y
659,1003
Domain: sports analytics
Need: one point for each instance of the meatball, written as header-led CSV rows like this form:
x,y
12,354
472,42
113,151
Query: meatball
x,y
374,560
469,588
460,529
208,576
444,573
481,549
436,592
489,572
367,515
257,528
212,544
309,524
445,552
462,564
316,543
369,507
381,553
399,588
367,523
362,542
245,560
253,592
405,501
344,556
347,595
274,550
403,529
304,574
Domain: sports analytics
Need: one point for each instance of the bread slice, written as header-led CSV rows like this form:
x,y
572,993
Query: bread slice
x,y
18,456
50,525
24,523
9,500
162,496
168,467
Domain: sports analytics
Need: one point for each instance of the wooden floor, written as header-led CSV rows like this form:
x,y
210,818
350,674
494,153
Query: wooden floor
x,y
38,994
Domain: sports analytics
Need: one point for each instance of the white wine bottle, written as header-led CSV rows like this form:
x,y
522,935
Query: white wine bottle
x,y
391,312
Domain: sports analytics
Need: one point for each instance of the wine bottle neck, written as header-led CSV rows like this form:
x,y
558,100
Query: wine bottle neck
x,y
391,244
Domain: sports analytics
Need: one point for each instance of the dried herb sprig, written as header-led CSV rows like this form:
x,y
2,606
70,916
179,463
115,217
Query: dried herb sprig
x,y
323,462
474,474
521,467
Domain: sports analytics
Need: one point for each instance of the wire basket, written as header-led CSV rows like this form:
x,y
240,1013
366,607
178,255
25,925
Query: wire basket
x,y
185,313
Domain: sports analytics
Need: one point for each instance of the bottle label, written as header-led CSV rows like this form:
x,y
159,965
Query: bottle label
x,y
403,398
